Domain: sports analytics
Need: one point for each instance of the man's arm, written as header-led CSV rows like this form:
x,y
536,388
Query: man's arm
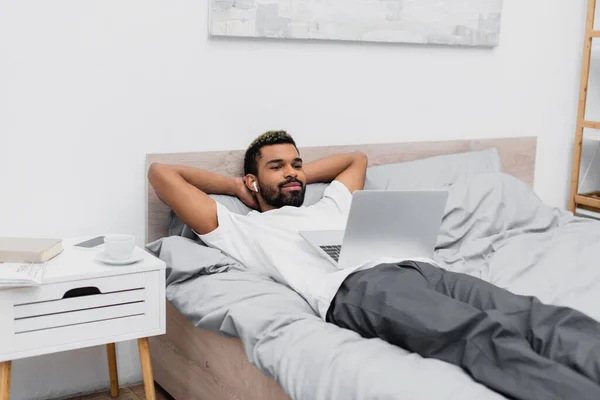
x,y
184,190
350,169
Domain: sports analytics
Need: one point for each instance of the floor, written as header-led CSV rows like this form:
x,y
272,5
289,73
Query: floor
x,y
130,393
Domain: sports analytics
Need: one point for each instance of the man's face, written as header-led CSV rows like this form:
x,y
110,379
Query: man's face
x,y
281,178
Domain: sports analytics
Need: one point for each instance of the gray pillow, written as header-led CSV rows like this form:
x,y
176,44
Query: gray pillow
x,y
433,172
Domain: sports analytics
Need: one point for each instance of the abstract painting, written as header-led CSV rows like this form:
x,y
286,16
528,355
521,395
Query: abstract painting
x,y
449,22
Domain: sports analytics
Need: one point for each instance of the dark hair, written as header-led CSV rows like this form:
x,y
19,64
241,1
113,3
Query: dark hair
x,y
266,139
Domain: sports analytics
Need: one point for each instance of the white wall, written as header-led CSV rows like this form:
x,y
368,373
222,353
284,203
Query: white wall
x,y
87,88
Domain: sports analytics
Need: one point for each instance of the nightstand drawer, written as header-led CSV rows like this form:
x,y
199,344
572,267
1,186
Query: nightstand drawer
x,y
49,307
54,292
56,315
76,317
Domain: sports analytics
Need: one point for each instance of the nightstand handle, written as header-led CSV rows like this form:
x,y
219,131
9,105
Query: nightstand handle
x,y
82,291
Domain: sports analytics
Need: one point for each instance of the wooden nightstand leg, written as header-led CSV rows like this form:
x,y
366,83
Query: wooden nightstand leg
x,y
146,368
112,369
4,380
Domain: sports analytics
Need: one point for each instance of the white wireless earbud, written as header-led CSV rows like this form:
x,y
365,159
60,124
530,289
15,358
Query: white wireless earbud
x,y
255,187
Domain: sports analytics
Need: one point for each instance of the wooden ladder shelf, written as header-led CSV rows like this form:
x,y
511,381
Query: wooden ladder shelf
x,y
587,200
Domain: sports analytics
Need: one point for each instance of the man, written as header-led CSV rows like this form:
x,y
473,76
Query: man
x,y
513,344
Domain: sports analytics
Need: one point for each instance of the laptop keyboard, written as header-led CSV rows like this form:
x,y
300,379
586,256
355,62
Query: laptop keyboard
x,y
332,250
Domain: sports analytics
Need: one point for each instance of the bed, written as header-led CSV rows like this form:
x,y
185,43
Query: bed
x,y
235,335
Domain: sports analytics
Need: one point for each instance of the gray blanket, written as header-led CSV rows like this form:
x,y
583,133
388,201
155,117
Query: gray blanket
x,y
494,228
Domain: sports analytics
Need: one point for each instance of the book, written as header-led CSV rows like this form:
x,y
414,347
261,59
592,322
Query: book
x,y
29,250
23,260
21,274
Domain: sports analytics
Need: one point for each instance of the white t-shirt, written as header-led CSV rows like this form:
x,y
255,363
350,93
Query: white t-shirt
x,y
269,243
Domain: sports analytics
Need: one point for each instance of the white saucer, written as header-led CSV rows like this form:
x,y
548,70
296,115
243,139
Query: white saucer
x,y
104,258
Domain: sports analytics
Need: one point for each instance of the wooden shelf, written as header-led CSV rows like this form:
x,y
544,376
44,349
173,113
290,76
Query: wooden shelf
x,y
591,124
590,200
595,34
587,213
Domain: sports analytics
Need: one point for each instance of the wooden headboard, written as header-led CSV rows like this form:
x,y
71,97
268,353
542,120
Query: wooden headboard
x,y
517,156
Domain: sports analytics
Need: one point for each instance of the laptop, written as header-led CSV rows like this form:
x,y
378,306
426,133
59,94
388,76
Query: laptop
x,y
384,223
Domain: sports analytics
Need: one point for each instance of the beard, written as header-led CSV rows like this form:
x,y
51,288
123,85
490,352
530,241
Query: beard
x,y
275,196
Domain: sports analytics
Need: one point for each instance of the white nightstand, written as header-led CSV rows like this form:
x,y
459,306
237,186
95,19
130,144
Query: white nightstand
x,y
84,303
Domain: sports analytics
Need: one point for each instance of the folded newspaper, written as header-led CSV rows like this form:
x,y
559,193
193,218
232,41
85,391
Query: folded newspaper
x,y
21,274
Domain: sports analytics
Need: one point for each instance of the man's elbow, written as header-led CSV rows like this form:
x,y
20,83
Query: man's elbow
x,y
361,157
153,171
156,172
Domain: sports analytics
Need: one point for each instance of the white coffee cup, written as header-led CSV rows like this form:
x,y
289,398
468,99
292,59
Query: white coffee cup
x,y
119,247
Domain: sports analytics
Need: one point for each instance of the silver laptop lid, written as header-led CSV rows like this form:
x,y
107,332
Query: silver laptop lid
x,y
396,224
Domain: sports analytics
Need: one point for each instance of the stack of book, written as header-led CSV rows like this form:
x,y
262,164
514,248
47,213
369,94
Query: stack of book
x,y
23,260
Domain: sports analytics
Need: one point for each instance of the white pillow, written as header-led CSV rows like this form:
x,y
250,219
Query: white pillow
x,y
433,172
